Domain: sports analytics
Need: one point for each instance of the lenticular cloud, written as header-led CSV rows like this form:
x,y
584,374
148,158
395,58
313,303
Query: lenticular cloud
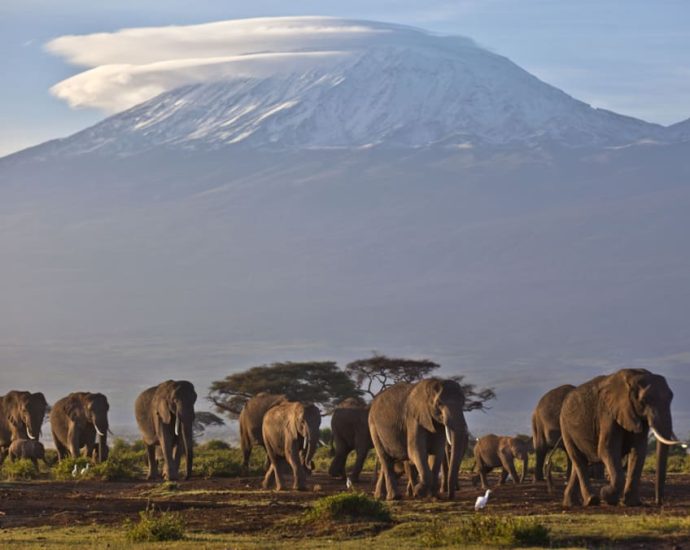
x,y
129,66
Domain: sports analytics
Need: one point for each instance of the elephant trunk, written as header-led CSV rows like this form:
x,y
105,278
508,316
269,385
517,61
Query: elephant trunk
x,y
188,440
102,447
456,439
660,482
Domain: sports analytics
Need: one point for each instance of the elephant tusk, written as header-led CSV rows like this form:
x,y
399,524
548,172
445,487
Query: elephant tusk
x,y
306,443
663,439
99,432
448,436
28,432
177,425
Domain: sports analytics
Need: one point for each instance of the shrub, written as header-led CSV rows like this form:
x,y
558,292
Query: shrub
x,y
349,507
19,469
118,467
216,464
63,470
214,445
155,526
487,530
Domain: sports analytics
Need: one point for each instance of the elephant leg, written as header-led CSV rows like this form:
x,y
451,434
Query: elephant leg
x,y
508,464
571,495
151,458
266,483
482,470
35,462
611,458
581,472
298,475
411,476
540,455
504,476
387,473
169,469
337,467
631,492
436,471
380,484
416,449
359,464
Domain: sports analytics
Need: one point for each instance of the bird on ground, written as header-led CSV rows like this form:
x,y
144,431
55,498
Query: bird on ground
x,y
75,471
348,483
84,469
481,501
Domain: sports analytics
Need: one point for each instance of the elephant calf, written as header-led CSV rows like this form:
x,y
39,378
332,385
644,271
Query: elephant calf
x,y
27,448
350,429
494,451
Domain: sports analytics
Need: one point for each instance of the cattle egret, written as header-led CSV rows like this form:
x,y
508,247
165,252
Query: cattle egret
x,y
481,501
75,471
348,483
84,469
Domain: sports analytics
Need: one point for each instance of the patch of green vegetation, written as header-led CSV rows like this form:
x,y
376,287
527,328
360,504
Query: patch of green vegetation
x,y
155,526
22,469
349,507
214,445
221,463
65,469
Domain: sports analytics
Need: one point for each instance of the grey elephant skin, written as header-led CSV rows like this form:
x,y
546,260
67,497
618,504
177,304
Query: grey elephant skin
x,y
500,451
546,427
609,418
251,422
350,432
21,417
80,420
412,422
165,415
27,448
290,432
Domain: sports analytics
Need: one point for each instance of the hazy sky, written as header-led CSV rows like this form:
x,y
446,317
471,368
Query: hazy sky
x,y
631,56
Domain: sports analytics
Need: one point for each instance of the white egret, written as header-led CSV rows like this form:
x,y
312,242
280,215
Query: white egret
x,y
481,501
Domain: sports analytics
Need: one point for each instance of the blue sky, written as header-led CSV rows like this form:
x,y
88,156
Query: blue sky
x,y
630,56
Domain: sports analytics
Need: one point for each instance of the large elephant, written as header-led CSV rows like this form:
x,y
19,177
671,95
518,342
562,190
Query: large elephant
x,y
81,420
413,421
350,432
165,414
608,418
290,432
21,417
500,451
546,427
251,422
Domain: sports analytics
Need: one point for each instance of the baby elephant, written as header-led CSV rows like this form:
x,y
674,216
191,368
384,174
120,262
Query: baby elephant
x,y
27,448
495,451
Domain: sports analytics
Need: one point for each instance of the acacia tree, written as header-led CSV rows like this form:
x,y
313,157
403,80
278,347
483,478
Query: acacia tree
x,y
376,373
203,420
318,382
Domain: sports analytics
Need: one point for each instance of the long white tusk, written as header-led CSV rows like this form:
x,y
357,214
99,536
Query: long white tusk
x,y
99,432
177,425
306,442
663,439
28,432
448,436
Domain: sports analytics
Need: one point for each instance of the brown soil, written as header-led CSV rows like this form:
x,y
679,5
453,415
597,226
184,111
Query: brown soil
x,y
239,505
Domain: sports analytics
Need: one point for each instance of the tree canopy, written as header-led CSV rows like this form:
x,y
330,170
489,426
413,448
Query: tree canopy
x,y
318,382
203,420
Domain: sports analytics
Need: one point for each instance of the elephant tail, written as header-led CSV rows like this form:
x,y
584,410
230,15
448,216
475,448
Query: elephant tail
x,y
548,463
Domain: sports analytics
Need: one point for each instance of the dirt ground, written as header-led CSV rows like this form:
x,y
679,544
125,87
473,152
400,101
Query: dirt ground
x,y
239,505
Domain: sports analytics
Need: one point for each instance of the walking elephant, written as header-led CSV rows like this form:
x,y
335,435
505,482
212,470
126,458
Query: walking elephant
x,y
413,421
609,418
546,427
290,432
27,448
165,414
78,421
251,422
21,417
350,432
496,451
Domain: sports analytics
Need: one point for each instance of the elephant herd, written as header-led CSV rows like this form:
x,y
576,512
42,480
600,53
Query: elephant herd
x,y
416,428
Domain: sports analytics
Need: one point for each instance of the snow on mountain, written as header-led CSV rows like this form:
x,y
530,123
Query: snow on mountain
x,y
379,85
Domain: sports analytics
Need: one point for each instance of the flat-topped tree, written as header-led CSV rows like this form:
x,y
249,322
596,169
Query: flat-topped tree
x,y
318,382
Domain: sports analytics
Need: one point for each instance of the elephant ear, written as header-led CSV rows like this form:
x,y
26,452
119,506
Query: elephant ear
x,y
296,417
163,411
420,403
617,394
73,409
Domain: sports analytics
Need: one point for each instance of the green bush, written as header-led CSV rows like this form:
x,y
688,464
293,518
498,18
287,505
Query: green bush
x,y
118,467
216,464
155,526
349,507
18,469
487,530
214,445
64,469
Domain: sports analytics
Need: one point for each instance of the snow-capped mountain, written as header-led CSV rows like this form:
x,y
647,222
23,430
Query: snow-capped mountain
x,y
411,89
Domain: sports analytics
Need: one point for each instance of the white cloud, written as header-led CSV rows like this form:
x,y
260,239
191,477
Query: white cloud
x,y
132,65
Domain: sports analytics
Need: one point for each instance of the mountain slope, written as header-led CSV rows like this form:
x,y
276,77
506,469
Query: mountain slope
x,y
412,89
